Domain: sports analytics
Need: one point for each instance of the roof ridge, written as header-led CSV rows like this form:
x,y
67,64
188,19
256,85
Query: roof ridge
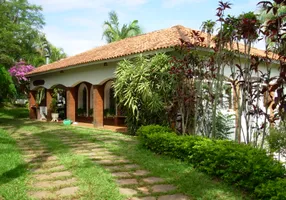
x,y
155,40
115,42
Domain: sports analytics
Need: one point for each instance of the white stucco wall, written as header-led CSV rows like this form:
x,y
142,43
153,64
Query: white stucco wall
x,y
262,67
95,74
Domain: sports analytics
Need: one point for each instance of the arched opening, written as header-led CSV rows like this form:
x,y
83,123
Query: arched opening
x,y
82,106
109,100
58,100
90,112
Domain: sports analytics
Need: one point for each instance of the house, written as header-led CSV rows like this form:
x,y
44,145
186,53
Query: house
x,y
87,78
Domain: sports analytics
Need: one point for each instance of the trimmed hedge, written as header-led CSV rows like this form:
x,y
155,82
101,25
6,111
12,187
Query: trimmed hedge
x,y
274,190
237,164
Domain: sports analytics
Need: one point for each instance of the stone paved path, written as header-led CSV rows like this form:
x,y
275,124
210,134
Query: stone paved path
x,y
50,179
133,181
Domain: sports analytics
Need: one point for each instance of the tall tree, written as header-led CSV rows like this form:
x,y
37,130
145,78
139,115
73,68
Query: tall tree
x,y
20,23
112,32
44,48
8,89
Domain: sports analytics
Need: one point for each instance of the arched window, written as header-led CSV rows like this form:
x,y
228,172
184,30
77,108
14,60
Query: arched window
x,y
82,99
109,100
91,97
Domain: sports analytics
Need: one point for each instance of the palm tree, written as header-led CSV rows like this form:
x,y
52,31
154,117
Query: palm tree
x,y
112,32
208,27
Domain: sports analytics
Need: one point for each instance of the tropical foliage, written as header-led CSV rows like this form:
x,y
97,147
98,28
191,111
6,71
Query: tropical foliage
x,y
112,31
142,86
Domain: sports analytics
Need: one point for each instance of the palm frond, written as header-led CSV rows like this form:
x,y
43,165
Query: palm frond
x,y
112,32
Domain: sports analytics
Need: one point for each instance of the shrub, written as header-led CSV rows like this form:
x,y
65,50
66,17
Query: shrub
x,y
238,164
273,190
277,139
143,131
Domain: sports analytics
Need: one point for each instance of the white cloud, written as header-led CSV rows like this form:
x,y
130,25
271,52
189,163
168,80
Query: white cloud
x,y
74,42
173,3
80,21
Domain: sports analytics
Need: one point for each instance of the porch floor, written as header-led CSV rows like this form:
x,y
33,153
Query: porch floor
x,y
122,129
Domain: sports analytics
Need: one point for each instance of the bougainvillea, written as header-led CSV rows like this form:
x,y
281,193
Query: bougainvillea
x,y
20,70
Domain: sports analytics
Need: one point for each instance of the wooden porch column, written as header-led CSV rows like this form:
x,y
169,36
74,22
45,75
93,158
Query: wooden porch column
x,y
32,103
49,98
71,103
98,99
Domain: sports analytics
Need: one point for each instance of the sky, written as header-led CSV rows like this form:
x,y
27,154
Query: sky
x,y
77,25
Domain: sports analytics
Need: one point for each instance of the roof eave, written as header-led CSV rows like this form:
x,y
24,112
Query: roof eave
x,y
102,61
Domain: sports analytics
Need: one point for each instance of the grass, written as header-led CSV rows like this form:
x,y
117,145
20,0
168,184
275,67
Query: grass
x,y
94,181
188,180
13,171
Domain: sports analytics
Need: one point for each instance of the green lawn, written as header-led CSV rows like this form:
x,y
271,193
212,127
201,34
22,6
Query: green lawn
x,y
94,181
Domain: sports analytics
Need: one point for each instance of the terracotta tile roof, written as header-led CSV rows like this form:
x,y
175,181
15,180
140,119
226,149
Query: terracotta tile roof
x,y
161,39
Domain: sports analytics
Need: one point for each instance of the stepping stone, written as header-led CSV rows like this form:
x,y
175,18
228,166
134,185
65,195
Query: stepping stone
x,y
127,191
64,182
67,191
89,145
113,168
131,166
88,154
121,174
49,164
140,173
50,158
127,181
163,188
30,156
144,190
110,141
98,149
174,197
105,162
152,180
123,161
28,152
40,194
52,184
143,198
104,157
53,175
51,169
102,152
82,151
25,149
44,158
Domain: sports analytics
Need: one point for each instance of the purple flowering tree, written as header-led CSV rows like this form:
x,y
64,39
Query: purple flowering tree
x,y
18,72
